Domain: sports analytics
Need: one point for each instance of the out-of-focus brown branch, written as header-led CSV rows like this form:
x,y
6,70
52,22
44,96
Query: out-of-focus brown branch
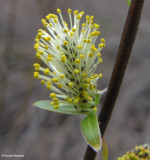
x,y
124,51
4,62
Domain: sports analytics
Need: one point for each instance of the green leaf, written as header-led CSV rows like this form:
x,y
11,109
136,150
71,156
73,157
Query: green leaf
x,y
63,108
97,99
129,2
91,132
104,150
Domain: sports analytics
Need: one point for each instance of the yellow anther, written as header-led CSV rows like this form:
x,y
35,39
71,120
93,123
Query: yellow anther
x,y
52,95
100,45
56,106
90,54
95,75
92,17
48,82
103,45
45,24
76,71
96,26
58,10
77,60
85,86
58,47
73,29
52,103
95,108
40,30
83,24
38,56
69,10
36,65
97,33
36,39
54,99
75,101
48,87
55,20
47,17
92,77
65,43
98,55
42,82
46,47
82,30
79,46
37,68
59,85
84,74
49,58
36,74
82,56
41,52
70,100
84,93
43,20
50,24
88,80
103,40
78,16
65,30
76,12
87,17
100,60
55,80
71,33
67,98
45,39
100,75
46,71
70,84
88,41
82,12
90,98
62,76
91,87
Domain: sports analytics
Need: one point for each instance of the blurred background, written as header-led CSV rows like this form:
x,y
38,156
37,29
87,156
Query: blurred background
x,y
40,134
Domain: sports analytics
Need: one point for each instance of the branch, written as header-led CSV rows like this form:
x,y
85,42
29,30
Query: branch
x,y
124,51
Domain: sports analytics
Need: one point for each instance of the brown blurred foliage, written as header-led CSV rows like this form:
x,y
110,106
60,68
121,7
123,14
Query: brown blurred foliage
x,y
40,134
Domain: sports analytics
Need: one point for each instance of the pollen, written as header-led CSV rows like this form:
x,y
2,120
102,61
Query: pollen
x,y
46,71
58,10
76,71
94,108
42,82
79,46
77,61
56,106
65,43
36,74
62,76
82,56
70,85
91,55
69,10
100,75
52,95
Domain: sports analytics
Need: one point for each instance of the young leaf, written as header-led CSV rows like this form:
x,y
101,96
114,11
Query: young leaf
x,y
63,108
104,150
91,132
129,2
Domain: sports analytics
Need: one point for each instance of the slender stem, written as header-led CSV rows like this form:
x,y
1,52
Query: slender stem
x,y
124,51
